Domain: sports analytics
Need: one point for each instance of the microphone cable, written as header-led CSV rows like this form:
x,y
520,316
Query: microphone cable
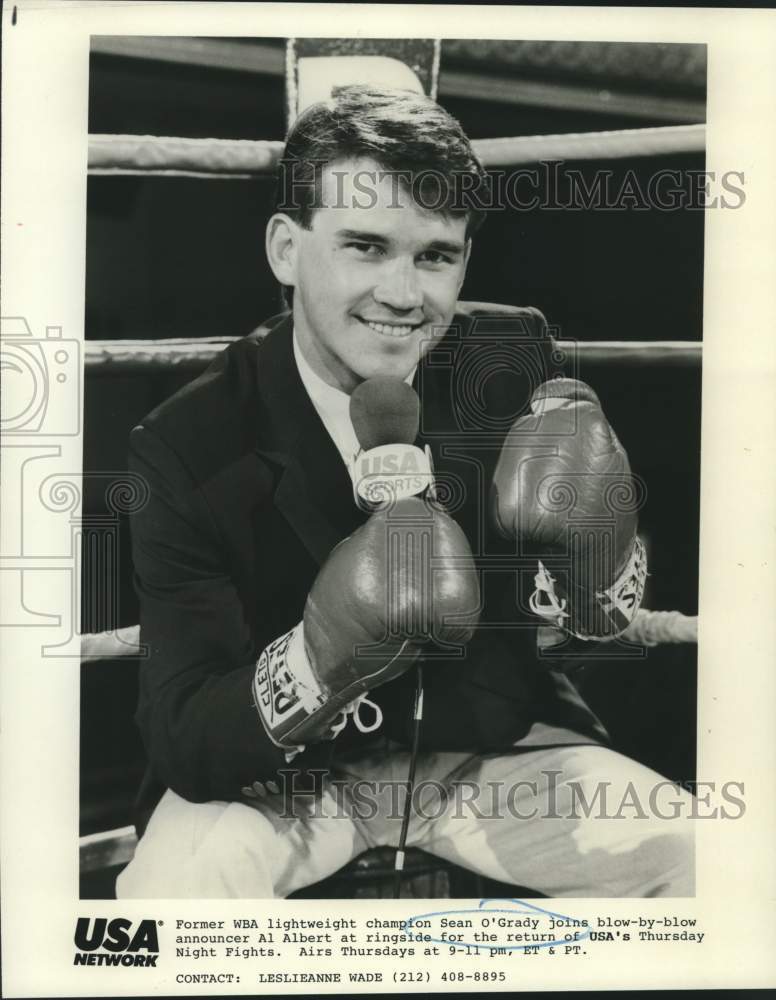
x,y
385,410
417,718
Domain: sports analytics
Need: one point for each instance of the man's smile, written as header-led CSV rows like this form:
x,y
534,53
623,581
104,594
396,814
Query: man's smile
x,y
390,328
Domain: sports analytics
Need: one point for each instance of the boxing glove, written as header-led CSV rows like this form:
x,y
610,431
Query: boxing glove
x,y
563,489
405,577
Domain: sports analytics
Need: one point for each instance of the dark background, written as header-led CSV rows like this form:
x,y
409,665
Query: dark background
x,y
181,257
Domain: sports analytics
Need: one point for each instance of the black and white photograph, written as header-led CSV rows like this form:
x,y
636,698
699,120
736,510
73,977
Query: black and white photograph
x,y
387,500
468,274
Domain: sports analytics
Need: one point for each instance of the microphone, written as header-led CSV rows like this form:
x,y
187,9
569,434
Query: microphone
x,y
385,413
384,410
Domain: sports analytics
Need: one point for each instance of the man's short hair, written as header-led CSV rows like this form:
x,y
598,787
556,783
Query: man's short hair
x,y
405,133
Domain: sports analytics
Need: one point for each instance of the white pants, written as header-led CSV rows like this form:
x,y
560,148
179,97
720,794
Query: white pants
x,y
567,821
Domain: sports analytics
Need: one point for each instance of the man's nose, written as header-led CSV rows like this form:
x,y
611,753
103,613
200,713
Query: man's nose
x,y
399,287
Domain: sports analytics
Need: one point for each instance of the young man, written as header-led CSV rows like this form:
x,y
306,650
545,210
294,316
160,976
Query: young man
x,y
257,572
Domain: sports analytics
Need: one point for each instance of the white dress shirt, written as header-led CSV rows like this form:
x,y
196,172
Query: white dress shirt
x,y
333,407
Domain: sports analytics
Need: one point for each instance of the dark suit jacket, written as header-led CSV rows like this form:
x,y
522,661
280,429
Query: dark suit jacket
x,y
248,495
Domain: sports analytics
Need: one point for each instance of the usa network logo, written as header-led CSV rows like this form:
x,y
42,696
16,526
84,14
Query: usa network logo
x,y
116,942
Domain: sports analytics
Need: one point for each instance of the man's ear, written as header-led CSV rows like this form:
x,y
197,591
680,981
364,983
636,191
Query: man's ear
x,y
281,244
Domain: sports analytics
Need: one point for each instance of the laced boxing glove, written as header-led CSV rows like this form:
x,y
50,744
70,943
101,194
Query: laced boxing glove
x,y
393,585
563,488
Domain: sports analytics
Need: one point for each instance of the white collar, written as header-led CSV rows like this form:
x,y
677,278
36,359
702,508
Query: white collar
x,y
332,405
320,392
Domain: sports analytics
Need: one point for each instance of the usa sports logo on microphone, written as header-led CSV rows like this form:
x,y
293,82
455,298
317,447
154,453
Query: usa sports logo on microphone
x,y
391,472
386,416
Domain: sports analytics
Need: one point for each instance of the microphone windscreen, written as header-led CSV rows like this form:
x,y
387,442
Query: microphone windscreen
x,y
384,410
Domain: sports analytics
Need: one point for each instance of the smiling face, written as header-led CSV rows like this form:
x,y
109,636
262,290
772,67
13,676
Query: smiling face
x,y
375,278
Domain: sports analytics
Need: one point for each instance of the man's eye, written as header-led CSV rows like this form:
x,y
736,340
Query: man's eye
x,y
366,249
436,257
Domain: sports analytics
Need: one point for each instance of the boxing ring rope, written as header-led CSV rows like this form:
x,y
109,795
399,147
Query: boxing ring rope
x,y
151,155
175,156
648,628
177,354
623,144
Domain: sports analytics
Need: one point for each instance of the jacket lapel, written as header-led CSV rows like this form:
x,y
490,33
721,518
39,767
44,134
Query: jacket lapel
x,y
314,492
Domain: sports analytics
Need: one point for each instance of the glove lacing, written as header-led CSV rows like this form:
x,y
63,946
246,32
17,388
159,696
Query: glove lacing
x,y
353,711
544,601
